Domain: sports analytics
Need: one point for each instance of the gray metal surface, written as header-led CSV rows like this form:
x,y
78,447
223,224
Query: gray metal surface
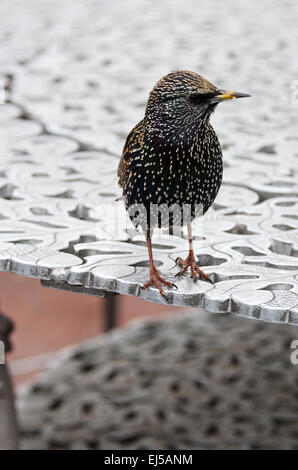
x,y
77,92
190,381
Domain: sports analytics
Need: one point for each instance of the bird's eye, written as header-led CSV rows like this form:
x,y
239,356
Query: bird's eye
x,y
199,98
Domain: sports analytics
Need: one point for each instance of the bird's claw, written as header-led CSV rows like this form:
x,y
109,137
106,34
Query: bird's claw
x,y
156,279
196,272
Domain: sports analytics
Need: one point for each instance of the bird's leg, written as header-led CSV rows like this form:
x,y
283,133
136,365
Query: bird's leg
x,y
190,261
155,277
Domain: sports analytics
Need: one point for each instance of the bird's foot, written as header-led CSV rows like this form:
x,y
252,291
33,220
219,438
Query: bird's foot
x,y
196,272
157,280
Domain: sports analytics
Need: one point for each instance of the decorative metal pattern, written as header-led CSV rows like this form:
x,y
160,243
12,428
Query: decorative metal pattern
x,y
74,98
189,381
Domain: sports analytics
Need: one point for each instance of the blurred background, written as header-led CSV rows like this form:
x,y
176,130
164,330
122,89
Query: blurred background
x,y
47,320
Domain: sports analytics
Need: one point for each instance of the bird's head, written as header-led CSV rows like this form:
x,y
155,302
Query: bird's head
x,y
182,99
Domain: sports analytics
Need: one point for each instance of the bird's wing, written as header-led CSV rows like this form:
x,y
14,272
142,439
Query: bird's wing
x,y
132,147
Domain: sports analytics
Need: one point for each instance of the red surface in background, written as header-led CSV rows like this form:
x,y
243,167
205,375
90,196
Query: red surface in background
x,y
47,320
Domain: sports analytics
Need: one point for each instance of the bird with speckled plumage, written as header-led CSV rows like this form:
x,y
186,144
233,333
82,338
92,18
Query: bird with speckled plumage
x,y
172,158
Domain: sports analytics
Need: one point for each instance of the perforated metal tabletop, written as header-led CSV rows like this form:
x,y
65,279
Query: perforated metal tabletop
x,y
62,131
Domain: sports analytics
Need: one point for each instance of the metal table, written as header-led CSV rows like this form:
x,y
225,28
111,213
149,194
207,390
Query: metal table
x,y
68,112
72,97
59,220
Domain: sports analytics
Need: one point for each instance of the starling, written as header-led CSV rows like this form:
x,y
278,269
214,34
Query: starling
x,y
172,158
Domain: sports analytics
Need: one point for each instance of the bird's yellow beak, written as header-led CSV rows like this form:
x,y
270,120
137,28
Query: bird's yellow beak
x,y
230,95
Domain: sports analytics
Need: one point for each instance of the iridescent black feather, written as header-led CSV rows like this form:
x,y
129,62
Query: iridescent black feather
x,y
173,155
